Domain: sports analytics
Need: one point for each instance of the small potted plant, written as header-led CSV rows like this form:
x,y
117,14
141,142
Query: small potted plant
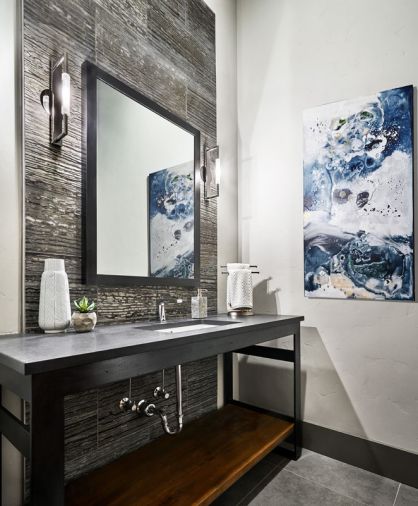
x,y
84,318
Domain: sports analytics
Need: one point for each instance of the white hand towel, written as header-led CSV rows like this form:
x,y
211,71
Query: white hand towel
x,y
239,287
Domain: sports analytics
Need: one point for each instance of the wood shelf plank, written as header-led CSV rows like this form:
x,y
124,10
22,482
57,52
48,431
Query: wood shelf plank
x,y
191,468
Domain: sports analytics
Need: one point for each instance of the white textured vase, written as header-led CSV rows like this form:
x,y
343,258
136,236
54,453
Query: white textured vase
x,y
54,302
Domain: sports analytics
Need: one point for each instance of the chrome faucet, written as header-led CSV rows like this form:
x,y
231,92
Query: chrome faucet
x,y
161,312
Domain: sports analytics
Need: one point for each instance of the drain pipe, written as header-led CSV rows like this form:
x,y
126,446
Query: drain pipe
x,y
179,414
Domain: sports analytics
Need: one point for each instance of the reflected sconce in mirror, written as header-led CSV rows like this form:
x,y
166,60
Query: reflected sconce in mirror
x,y
57,100
211,172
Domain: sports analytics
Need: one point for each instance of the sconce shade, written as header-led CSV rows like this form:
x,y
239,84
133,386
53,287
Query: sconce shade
x,y
211,173
66,94
218,171
57,100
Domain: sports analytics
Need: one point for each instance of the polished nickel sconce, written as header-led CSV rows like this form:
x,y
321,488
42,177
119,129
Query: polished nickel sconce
x,y
211,172
56,100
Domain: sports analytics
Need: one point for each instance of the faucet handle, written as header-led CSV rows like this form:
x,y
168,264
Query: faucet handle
x,y
127,404
161,393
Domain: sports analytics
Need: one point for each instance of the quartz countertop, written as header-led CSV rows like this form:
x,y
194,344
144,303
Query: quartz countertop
x,y
35,353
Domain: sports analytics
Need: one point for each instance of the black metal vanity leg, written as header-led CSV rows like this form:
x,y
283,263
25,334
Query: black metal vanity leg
x,y
297,395
228,378
47,441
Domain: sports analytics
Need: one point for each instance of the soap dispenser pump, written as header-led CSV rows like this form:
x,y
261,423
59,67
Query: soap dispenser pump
x,y
199,305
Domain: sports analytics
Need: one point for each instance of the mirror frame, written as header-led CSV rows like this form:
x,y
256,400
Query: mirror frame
x,y
90,74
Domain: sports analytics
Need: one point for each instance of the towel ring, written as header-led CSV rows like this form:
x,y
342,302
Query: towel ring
x,y
251,267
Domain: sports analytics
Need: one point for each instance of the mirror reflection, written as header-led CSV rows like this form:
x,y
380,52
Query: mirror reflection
x,y
145,191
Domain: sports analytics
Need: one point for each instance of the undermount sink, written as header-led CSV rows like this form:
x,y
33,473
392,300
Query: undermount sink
x,y
185,326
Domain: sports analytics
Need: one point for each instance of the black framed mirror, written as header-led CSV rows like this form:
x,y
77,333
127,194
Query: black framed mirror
x,y
142,208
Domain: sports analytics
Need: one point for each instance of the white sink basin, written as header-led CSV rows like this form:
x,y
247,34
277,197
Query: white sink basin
x,y
173,327
187,328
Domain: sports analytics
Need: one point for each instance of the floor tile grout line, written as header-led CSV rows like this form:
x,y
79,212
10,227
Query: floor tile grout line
x,y
327,488
396,496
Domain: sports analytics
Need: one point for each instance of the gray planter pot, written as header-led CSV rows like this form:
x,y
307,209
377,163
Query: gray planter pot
x,y
84,322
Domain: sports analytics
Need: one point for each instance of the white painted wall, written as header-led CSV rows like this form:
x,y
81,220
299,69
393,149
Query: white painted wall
x,y
9,178
10,225
360,359
226,109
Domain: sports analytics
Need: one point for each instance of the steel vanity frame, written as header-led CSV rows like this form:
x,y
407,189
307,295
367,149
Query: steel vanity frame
x,y
42,440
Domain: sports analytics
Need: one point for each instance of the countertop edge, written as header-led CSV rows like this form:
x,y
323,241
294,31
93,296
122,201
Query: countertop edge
x,y
69,361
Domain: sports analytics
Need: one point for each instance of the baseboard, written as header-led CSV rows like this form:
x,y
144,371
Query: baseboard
x,y
392,463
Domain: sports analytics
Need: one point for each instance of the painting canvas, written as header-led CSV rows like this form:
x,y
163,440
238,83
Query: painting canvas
x,y
171,222
358,198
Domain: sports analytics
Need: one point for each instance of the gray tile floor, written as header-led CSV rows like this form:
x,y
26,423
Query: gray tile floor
x,y
315,480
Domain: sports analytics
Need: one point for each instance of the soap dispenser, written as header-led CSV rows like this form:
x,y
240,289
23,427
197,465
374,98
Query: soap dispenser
x,y
199,305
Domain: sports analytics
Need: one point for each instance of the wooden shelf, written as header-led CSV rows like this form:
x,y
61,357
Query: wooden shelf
x,y
191,468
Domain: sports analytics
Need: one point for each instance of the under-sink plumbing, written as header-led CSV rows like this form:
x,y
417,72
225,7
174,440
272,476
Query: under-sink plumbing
x,y
146,408
127,404
179,411
160,392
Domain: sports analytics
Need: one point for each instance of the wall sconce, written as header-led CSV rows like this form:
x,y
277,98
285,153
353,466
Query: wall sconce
x,y
57,100
211,172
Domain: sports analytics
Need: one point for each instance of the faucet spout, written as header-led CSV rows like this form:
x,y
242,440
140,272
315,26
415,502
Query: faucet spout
x,y
161,312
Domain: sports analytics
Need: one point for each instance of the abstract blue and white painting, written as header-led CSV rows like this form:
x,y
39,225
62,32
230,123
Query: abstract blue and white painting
x,y
171,222
358,198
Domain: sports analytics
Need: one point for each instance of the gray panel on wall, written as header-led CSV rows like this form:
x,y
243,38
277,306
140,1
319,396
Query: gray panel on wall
x,y
166,50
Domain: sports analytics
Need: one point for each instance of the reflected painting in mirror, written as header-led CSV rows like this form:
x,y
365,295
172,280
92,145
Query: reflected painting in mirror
x,y
171,222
